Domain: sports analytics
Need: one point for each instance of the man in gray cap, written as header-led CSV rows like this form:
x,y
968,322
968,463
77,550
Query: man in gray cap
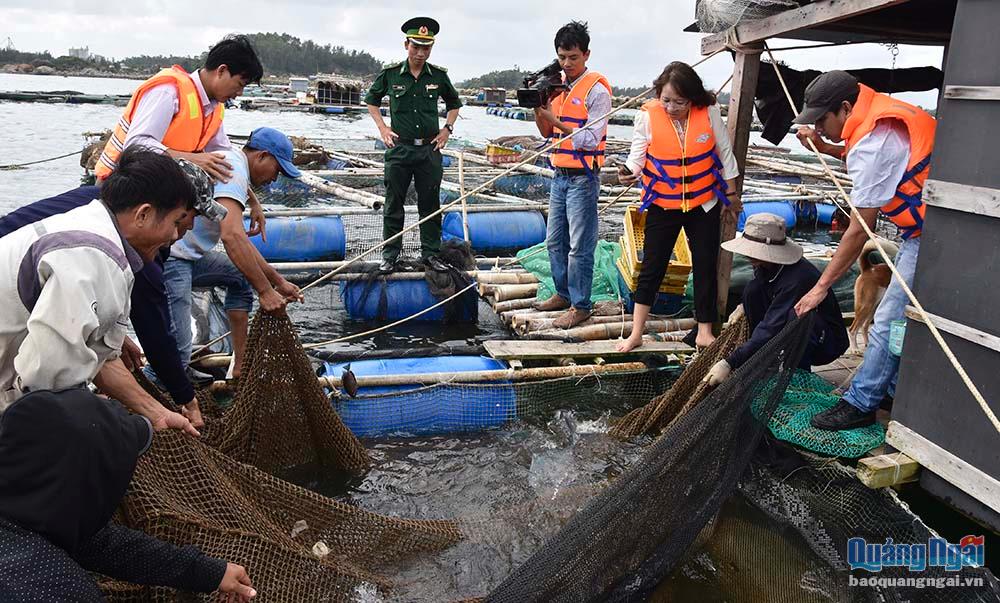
x,y
780,277
887,147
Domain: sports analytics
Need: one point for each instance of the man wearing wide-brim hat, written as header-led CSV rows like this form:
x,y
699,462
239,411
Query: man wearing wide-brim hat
x,y
414,142
780,277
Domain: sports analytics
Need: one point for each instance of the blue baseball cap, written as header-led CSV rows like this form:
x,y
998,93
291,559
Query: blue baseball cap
x,y
278,145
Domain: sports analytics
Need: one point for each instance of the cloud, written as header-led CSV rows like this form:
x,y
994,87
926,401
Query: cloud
x,y
631,40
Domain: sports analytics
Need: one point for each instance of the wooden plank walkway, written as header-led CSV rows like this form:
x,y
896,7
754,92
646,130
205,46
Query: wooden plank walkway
x,y
538,350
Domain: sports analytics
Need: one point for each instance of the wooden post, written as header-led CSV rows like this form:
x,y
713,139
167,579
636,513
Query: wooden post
x,y
740,115
461,192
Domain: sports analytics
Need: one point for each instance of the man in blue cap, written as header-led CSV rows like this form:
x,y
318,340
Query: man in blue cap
x,y
241,270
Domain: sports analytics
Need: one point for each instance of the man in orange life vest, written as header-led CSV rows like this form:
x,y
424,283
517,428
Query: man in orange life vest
x,y
181,113
571,233
887,147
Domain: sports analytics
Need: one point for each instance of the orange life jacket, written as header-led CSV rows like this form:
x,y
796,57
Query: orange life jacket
x,y
571,108
906,209
189,131
681,174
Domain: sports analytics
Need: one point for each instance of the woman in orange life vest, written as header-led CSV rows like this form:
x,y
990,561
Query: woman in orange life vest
x,y
682,156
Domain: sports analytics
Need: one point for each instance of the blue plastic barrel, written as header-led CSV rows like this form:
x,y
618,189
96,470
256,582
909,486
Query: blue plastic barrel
x,y
336,110
785,209
302,239
419,409
825,213
496,230
403,298
809,213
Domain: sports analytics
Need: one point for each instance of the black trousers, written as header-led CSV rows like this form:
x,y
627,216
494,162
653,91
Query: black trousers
x,y
663,226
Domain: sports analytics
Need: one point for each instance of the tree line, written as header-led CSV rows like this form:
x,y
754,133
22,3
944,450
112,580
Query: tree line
x,y
281,54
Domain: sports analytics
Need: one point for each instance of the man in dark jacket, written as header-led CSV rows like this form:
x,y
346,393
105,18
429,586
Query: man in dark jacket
x,y
66,460
149,311
781,277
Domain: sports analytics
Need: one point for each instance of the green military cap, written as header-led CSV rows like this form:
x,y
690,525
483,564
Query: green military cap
x,y
421,30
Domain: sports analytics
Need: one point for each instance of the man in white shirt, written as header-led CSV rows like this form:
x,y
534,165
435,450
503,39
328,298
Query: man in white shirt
x,y
65,284
882,137
241,269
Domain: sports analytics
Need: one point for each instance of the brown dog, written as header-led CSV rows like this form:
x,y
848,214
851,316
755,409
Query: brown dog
x,y
869,288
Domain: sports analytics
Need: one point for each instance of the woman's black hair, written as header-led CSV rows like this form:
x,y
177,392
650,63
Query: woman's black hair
x,y
686,82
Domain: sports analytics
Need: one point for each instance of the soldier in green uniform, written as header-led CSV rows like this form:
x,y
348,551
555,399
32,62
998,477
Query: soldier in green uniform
x,y
414,142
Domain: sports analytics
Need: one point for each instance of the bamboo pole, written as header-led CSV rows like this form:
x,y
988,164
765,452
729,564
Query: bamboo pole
x,y
528,374
507,292
367,211
344,192
615,330
506,306
513,277
461,192
486,264
523,326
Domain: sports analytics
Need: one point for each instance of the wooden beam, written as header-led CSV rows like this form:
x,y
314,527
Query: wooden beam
x,y
539,350
745,74
810,15
987,340
960,473
988,93
977,200
887,470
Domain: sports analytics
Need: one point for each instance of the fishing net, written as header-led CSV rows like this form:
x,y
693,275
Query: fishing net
x,y
718,15
702,508
218,492
622,543
687,391
808,395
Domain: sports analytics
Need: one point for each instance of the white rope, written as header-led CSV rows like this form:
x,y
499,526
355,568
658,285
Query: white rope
x,y
895,271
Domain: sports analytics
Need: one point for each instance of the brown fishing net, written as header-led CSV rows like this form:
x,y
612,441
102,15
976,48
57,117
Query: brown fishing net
x,y
297,545
688,390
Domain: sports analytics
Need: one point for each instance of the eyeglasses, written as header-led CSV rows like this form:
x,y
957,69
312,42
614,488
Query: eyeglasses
x,y
679,103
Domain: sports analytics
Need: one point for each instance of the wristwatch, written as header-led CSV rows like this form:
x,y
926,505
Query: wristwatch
x,y
451,128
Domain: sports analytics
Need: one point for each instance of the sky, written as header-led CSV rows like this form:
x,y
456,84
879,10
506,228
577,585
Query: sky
x,y
630,41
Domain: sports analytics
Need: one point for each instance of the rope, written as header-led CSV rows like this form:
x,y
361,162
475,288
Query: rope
x,y
888,261
454,296
15,166
529,159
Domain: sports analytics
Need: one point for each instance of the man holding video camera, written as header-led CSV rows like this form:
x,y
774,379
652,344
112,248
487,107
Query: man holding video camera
x,y
572,223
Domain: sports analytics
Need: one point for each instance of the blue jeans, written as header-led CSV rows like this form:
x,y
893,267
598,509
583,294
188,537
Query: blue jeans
x,y
877,375
571,236
214,269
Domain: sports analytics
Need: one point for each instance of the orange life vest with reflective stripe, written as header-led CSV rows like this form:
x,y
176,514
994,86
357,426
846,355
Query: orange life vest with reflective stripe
x,y
571,108
906,209
681,174
189,130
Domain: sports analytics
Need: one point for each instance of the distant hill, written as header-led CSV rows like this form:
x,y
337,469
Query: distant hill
x,y
281,54
510,79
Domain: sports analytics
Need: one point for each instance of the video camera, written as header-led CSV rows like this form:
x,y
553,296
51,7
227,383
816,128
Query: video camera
x,y
541,86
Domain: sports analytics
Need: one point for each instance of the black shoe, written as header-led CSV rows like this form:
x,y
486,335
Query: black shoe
x,y
690,338
199,378
841,417
387,266
434,263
